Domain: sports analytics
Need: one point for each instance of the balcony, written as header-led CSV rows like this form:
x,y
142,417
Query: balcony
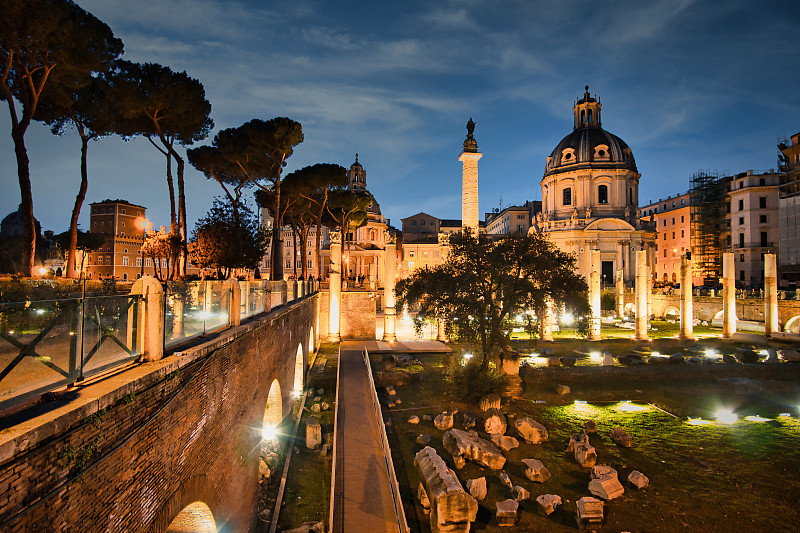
x,y
751,245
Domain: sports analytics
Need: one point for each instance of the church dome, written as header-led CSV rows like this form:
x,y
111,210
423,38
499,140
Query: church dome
x,y
589,145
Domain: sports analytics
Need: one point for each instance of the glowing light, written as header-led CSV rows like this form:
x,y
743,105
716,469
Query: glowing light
x,y
40,311
468,355
567,319
269,432
756,418
726,416
580,402
296,394
596,356
698,422
763,352
627,407
42,271
785,415
11,332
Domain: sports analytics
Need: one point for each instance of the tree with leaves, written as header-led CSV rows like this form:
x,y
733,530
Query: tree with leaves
x,y
259,148
484,282
85,241
347,210
168,108
314,184
211,162
45,45
163,247
88,110
225,242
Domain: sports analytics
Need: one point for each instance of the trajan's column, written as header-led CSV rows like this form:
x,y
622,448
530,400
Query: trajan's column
x,y
469,188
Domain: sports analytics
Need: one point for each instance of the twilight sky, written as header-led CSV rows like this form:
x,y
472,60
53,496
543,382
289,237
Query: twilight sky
x,y
687,84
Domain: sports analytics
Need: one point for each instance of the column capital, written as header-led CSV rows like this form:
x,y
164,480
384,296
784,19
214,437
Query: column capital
x,y
390,237
335,236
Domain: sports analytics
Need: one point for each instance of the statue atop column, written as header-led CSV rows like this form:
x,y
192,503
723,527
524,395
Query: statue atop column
x,y
470,144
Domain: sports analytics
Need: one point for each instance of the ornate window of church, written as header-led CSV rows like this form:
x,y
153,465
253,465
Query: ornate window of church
x,y
602,194
601,153
568,155
567,196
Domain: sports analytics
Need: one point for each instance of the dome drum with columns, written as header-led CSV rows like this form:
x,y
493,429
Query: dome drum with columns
x,y
590,197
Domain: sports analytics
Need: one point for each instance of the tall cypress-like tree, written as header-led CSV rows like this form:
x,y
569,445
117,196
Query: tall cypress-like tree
x,y
168,108
45,44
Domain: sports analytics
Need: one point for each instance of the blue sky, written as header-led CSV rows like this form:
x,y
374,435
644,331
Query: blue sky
x,y
687,84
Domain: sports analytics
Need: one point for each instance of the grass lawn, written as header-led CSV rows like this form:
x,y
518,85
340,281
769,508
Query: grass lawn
x,y
738,477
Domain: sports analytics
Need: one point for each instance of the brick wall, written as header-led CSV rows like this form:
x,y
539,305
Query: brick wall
x,y
128,453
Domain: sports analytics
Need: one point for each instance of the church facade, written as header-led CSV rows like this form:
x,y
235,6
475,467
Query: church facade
x,y
590,198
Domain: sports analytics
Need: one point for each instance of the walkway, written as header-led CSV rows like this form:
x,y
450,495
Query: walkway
x,y
363,500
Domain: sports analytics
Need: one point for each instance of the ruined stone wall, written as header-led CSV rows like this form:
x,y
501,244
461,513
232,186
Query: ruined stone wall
x,y
705,307
128,452
358,315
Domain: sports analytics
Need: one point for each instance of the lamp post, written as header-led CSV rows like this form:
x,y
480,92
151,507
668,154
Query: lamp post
x,y
147,227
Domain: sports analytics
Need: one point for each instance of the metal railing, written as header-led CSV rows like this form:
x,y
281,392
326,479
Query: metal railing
x,y
48,344
399,512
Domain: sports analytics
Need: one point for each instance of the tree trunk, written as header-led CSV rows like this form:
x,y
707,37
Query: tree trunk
x,y
29,226
182,214
277,242
171,186
76,210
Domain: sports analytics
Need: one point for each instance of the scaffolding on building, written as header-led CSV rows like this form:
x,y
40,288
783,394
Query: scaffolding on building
x,y
709,206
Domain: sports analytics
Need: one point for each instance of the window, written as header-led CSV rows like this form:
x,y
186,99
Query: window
x,y
425,254
123,212
681,219
762,202
673,221
288,263
665,236
728,240
741,275
741,258
762,219
411,253
125,250
148,262
764,239
125,260
682,234
741,205
99,259
741,221
413,222
310,263
138,261
422,223
682,202
567,196
673,203
673,234
741,240
762,181
665,222
665,252
602,194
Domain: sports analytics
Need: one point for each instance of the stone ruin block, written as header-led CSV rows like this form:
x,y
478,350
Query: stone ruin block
x,y
477,488
553,361
577,438
413,420
506,480
535,470
452,509
459,442
390,390
532,431
638,480
608,359
585,455
590,427
520,494
602,471
459,462
547,503
621,437
562,389
313,433
495,423
607,488
490,401
589,513
444,420
423,497
504,441
507,512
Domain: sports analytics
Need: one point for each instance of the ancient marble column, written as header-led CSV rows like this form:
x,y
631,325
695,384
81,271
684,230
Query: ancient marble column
x,y
547,320
770,295
390,260
594,295
620,293
335,290
687,311
469,188
373,272
728,295
642,319
441,330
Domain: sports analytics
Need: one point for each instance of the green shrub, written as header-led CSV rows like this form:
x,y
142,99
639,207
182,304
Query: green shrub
x,y
608,301
469,382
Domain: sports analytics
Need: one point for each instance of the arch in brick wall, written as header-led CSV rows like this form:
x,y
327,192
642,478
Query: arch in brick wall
x,y
792,325
629,309
312,345
299,369
273,412
194,498
194,518
671,310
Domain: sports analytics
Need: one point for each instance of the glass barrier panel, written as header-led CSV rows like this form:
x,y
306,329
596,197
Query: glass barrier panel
x,y
109,326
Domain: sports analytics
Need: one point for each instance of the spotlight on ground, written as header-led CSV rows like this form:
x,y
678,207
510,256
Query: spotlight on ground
x,y
628,407
726,416
567,319
269,432
756,418
698,422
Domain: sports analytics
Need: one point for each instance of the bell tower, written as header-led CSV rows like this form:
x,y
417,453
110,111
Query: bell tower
x,y
357,177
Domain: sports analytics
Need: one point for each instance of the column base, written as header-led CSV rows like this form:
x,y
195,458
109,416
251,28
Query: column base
x,y
334,337
389,337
